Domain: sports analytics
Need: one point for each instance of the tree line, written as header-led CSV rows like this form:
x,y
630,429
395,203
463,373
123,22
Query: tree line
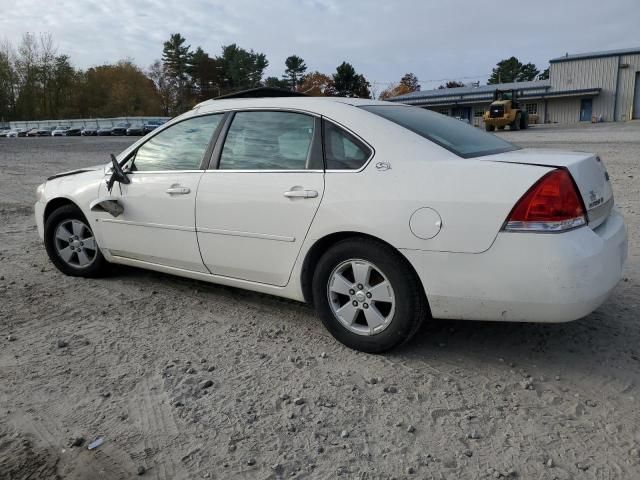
x,y
37,82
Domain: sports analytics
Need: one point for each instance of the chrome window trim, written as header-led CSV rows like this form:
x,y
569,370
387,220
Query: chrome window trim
x,y
263,171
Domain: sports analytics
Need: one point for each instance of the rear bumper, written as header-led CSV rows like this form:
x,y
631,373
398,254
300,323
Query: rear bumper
x,y
526,277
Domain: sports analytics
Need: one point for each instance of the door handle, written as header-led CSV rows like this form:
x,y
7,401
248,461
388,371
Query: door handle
x,y
301,194
178,190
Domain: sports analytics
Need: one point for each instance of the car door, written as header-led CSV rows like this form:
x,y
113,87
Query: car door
x,y
255,206
158,221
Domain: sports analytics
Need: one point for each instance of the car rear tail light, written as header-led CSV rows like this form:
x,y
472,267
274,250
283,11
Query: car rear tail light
x,y
552,204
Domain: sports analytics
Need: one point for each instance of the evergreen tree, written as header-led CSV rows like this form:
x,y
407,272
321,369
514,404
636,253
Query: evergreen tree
x,y
410,81
348,83
295,71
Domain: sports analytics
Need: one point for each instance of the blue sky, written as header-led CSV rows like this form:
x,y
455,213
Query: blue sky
x,y
437,40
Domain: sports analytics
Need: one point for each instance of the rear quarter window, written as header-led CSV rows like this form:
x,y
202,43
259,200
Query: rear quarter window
x,y
456,136
343,151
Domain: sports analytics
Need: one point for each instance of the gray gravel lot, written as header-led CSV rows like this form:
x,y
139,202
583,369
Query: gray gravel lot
x,y
184,379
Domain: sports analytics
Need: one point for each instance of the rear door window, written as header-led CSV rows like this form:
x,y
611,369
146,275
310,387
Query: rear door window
x,y
264,140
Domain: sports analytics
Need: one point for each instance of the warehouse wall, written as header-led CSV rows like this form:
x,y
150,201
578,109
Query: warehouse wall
x,y
588,73
565,110
603,73
626,85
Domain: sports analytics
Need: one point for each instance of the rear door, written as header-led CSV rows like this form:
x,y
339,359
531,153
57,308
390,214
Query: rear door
x,y
255,206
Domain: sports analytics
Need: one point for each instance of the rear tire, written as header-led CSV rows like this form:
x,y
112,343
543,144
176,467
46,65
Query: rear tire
x,y
367,295
489,128
524,122
71,245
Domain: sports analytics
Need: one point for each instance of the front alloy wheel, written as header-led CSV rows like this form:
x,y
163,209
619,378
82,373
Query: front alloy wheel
x,y
75,244
70,243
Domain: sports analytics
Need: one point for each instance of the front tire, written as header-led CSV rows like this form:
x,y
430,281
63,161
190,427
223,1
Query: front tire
x,y
367,295
515,125
489,128
71,245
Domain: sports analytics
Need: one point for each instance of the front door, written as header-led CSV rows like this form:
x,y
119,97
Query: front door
x,y
254,210
585,109
158,222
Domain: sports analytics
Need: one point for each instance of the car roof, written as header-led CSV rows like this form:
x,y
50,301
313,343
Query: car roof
x,y
285,102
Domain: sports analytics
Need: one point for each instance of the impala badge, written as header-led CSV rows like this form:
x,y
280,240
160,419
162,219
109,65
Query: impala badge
x,y
383,166
594,201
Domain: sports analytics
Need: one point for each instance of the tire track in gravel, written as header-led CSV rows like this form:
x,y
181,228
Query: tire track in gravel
x,y
150,411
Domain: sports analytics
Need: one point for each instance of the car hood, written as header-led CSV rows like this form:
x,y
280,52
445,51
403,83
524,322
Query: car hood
x,y
75,172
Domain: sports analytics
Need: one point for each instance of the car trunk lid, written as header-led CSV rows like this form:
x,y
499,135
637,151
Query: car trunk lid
x,y
587,170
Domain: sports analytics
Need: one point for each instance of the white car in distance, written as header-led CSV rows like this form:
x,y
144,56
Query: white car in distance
x,y
381,215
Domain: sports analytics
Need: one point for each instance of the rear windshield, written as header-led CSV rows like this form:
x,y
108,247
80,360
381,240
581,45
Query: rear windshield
x,y
454,135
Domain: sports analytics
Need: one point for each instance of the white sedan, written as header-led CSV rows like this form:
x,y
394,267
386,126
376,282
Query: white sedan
x,y
381,215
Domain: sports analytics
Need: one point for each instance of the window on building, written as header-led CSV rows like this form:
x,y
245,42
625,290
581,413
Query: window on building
x,y
478,112
532,108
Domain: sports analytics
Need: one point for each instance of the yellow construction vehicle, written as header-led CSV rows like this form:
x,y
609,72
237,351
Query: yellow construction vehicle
x,y
505,110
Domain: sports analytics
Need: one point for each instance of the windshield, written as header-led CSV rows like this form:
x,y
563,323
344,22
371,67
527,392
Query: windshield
x,y
458,137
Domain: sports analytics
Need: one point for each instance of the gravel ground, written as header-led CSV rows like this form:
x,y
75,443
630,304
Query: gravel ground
x,y
183,379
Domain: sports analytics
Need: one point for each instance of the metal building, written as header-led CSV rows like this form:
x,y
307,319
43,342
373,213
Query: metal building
x,y
585,87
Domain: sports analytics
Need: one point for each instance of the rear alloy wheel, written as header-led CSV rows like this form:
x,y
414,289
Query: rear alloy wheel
x,y
367,296
71,245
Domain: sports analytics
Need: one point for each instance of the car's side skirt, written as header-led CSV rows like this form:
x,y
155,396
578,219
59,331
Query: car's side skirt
x,y
288,291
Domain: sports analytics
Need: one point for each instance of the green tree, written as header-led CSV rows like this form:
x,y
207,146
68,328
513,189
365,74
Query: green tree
x,y
451,84
410,81
544,75
527,72
275,82
505,71
175,57
164,86
205,73
7,84
242,68
294,72
348,83
512,70
29,90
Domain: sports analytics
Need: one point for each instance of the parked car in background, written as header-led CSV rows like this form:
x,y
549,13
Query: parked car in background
x,y
120,129
135,130
104,131
74,132
60,131
41,132
89,131
3,132
12,134
380,214
151,125
22,132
